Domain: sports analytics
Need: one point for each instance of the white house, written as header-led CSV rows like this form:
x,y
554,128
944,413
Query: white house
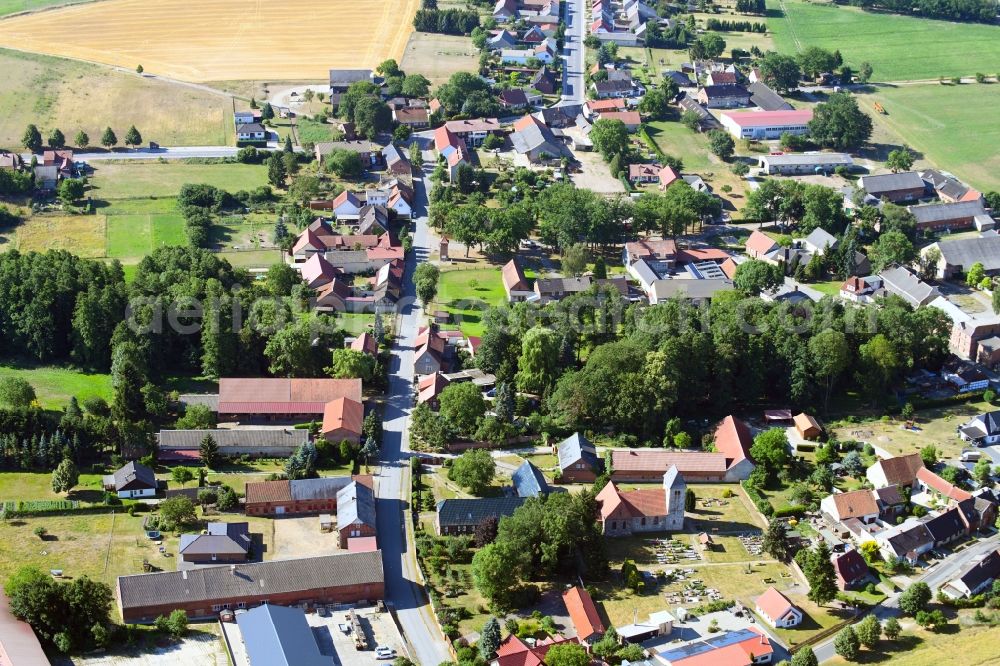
x,y
819,241
347,206
132,480
777,610
251,132
982,430
858,504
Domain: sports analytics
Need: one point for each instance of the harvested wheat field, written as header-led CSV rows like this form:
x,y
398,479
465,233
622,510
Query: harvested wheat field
x,y
222,39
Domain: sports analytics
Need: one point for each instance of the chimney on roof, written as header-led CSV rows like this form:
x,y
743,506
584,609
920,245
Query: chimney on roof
x,y
184,574
232,569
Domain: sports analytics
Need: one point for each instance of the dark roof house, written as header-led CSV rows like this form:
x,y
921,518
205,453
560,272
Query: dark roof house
x,y
279,636
228,540
528,481
131,477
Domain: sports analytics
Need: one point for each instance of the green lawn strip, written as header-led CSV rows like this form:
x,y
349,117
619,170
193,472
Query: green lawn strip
x,y
54,386
8,7
129,236
38,486
898,47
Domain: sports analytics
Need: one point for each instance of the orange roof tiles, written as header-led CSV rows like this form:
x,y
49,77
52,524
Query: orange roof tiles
x,y
582,612
855,504
343,414
268,491
733,439
773,603
935,482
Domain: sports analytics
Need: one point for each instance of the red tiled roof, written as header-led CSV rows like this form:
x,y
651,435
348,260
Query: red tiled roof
x,y
804,422
627,117
640,502
729,267
692,255
582,612
283,396
513,276
759,242
901,470
734,654
733,439
855,504
932,480
773,603
365,343
770,118
361,544
268,491
343,414
636,460
668,175
605,104
850,566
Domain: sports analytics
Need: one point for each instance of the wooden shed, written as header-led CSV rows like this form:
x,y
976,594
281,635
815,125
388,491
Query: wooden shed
x,y
325,522
807,426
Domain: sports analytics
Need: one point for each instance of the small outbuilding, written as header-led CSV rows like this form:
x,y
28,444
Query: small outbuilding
x,y
325,522
807,427
777,610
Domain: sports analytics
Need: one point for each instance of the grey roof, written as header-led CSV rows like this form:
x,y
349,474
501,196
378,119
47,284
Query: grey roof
x,y
672,478
560,116
322,488
279,636
646,273
528,481
243,437
250,128
990,422
355,504
345,77
945,526
821,238
610,86
902,282
818,159
967,251
133,472
944,184
767,99
535,137
250,580
912,538
210,400
474,511
725,91
680,78
690,288
221,538
891,182
985,569
577,447
562,285
392,155
938,212
346,257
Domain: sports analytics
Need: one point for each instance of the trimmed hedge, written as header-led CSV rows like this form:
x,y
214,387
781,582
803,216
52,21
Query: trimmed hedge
x,y
972,396
759,500
794,510
27,508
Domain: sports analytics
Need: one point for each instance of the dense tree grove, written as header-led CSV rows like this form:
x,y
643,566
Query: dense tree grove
x,y
446,21
984,11
737,352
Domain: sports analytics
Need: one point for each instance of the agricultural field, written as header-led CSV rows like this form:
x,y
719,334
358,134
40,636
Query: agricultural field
x,y
946,124
148,179
438,56
297,39
55,386
975,644
887,41
73,96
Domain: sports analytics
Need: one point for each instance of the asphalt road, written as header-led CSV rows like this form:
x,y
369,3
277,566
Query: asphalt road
x,y
403,589
573,53
940,574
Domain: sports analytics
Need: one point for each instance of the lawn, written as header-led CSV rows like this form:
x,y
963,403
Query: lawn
x,y
831,288
887,41
141,179
466,294
934,426
55,386
310,131
947,125
357,323
74,95
16,6
717,514
675,139
972,645
38,486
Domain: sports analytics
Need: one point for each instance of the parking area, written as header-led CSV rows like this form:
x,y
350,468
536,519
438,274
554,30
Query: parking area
x,y
332,629
301,537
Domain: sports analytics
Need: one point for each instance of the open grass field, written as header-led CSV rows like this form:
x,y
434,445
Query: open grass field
x,y
83,235
972,645
438,56
8,7
32,486
74,96
139,179
900,48
935,426
296,39
55,386
468,293
950,125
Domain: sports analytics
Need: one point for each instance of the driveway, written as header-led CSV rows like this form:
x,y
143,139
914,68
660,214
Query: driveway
x,y
301,537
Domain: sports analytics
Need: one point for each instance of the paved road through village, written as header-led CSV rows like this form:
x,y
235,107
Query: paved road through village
x,y
403,589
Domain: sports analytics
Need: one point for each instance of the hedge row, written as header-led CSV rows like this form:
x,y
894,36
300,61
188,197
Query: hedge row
x,y
759,500
26,508
972,396
794,510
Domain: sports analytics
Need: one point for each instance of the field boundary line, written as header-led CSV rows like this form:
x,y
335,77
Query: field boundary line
x,y
111,540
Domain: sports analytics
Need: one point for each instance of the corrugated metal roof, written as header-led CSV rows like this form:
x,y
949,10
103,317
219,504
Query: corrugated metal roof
x,y
279,636
528,481
322,488
355,504
577,447
474,511
246,580
242,437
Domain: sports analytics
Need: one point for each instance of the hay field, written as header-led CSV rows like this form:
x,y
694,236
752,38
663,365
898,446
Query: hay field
x,y
73,96
223,39
439,56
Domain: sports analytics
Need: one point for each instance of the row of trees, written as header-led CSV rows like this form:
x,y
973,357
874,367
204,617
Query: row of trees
x,y
446,21
984,11
32,139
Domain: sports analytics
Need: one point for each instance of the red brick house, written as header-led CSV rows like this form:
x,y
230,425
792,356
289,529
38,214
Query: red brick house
x,y
301,496
355,513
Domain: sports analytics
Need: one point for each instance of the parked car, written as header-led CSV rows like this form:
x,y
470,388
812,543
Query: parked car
x,y
383,652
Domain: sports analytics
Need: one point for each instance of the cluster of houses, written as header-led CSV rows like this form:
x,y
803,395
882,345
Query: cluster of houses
x,y
881,514
622,22
52,166
938,201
